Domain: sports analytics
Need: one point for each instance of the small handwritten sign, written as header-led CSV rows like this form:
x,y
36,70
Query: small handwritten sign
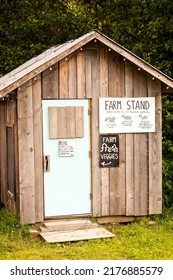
x,y
109,150
66,148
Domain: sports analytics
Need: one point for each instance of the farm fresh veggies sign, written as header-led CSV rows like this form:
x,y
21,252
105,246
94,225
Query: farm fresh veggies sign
x,y
126,115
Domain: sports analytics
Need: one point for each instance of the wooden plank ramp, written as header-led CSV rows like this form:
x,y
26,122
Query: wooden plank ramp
x,y
72,230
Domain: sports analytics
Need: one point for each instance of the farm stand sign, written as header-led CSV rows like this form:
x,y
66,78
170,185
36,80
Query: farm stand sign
x,y
126,115
109,150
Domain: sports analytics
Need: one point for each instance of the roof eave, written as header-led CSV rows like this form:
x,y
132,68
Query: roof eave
x,y
31,73
64,50
140,63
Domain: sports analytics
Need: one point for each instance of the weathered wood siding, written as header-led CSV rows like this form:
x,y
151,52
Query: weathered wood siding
x,y
30,151
8,113
135,187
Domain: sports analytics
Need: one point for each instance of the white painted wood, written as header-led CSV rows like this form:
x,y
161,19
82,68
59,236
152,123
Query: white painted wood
x,y
67,184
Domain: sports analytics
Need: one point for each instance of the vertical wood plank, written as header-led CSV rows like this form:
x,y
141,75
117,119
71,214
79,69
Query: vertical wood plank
x,y
46,84
3,158
16,158
155,151
63,79
117,182
103,71
117,175
129,91
11,111
89,83
38,149
140,153
10,160
111,76
80,75
26,154
72,77
53,119
54,82
79,121
116,75
71,121
50,82
61,122
104,93
96,188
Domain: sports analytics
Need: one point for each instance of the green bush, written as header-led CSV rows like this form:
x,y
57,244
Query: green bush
x,y
167,150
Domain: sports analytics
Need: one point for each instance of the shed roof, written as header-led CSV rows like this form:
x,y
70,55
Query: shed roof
x,y
36,65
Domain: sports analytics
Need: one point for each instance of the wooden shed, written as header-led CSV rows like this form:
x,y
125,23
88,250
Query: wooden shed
x,y
81,133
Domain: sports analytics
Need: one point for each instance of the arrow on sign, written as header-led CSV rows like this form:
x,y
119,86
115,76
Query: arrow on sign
x,y
104,164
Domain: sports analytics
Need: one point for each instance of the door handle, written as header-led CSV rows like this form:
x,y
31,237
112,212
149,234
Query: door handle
x,y
46,163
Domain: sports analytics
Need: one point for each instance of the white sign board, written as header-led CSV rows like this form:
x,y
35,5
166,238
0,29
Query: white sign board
x,y
126,115
66,148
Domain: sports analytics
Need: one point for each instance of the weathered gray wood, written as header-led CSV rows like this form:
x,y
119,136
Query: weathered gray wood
x,y
38,64
83,234
45,84
73,76
81,89
61,225
129,91
50,82
155,151
104,172
96,203
53,122
38,149
66,122
115,219
26,154
3,158
140,153
79,121
134,188
11,205
63,79
71,121
61,122
117,175
10,160
54,81
103,71
89,89
117,182
134,59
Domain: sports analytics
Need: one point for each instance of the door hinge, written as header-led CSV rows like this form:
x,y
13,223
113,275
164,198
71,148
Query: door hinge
x,y
89,112
91,196
89,154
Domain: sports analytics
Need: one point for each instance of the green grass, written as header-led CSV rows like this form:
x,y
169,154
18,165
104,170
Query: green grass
x,y
137,241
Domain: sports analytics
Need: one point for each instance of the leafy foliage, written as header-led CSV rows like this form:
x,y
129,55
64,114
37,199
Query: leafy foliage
x,y
27,28
167,151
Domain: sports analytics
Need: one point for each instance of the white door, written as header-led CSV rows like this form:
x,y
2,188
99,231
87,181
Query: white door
x,y
66,157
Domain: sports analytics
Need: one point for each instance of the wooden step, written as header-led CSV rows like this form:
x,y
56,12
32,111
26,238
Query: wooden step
x,y
76,235
63,225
